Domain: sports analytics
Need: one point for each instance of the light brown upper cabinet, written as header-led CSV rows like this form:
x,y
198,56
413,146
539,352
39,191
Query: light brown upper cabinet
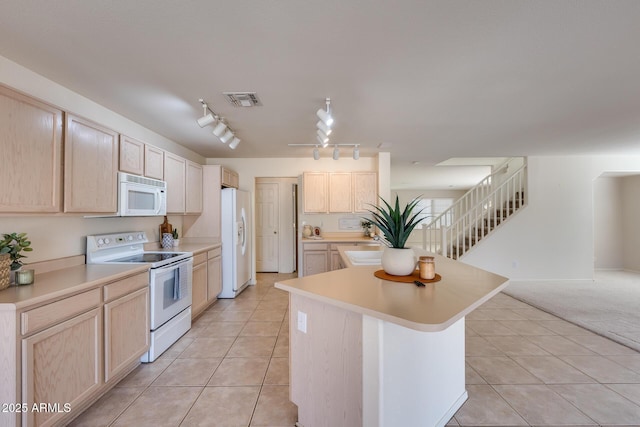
x,y
91,167
229,178
31,141
193,196
153,162
315,192
131,155
174,175
365,190
340,193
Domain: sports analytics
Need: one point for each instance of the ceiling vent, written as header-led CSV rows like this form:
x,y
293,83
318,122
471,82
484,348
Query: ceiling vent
x,y
243,99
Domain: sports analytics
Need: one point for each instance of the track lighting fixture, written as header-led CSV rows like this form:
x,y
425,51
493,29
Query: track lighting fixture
x,y
221,129
316,153
336,153
356,153
325,115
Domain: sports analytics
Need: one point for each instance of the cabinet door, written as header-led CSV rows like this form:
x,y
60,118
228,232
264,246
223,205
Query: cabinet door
x,y
214,278
126,331
194,188
314,189
365,190
91,166
315,262
131,155
174,175
229,178
199,289
335,261
340,192
153,162
62,365
31,138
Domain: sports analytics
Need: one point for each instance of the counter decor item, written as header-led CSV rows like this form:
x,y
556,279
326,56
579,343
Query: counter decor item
x,y
165,227
176,237
427,267
366,227
14,244
5,268
307,231
24,277
167,240
317,232
381,274
396,226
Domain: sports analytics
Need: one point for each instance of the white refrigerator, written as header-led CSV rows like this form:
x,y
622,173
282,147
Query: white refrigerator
x,y
236,241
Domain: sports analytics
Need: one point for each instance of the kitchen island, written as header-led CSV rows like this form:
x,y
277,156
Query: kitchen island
x,y
370,352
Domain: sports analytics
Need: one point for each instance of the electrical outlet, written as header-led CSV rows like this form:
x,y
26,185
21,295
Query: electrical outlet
x,y
302,322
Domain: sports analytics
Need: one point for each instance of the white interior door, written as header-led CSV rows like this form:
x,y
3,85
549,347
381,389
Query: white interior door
x,y
267,228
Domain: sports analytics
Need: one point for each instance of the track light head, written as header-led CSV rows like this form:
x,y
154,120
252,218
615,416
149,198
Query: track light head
x,y
207,118
336,153
316,153
324,138
324,128
219,129
227,136
234,143
356,153
325,117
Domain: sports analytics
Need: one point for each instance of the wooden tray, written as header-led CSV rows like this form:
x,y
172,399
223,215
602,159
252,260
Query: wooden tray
x,y
380,274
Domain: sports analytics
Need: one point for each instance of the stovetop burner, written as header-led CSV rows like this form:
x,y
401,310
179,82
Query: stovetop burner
x,y
147,257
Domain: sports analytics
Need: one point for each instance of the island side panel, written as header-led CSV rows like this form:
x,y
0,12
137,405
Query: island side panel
x,y
326,364
422,374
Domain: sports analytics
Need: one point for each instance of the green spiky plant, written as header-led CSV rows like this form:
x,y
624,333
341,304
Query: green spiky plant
x,y
13,244
396,225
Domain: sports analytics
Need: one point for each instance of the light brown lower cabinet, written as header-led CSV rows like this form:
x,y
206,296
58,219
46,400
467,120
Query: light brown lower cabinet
x,y
59,357
61,368
207,280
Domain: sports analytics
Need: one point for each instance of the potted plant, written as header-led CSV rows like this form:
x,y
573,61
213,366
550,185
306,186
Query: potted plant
x,y
176,237
396,226
14,244
366,227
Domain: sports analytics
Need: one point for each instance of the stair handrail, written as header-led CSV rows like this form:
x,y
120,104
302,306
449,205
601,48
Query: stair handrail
x,y
467,200
471,224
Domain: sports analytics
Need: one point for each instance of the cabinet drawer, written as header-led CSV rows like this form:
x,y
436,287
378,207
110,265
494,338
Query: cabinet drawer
x,y
50,314
315,246
125,286
215,252
200,258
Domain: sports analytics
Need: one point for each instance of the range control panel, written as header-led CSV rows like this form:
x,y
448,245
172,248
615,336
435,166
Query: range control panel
x,y
115,240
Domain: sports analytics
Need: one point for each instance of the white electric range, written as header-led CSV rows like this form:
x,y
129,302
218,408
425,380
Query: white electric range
x,y
170,277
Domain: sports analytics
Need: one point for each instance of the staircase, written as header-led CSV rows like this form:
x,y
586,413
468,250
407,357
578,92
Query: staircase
x,y
476,214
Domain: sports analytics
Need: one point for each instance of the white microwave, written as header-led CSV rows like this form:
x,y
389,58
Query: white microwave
x,y
140,196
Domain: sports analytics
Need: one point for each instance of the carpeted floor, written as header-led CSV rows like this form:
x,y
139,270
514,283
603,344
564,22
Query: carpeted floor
x,y
608,305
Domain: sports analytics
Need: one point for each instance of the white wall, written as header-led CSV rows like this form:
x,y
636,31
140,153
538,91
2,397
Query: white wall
x,y
58,236
631,222
607,223
553,237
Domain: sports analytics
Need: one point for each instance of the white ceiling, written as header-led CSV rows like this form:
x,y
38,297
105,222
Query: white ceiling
x,y
430,79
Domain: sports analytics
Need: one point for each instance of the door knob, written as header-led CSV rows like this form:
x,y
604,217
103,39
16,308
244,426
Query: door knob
x,y
275,232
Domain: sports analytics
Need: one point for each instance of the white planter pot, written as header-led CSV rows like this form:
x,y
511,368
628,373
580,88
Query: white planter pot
x,y
398,262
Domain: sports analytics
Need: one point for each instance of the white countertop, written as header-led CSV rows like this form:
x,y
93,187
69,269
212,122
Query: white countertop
x,y
432,308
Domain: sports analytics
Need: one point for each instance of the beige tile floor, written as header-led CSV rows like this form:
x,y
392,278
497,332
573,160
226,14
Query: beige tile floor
x,y
524,367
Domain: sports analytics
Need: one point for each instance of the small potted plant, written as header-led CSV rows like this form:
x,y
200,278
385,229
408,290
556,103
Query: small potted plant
x,y
366,227
176,237
396,226
14,244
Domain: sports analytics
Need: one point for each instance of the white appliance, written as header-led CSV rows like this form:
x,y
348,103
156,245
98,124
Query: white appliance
x,y
236,241
140,196
170,279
